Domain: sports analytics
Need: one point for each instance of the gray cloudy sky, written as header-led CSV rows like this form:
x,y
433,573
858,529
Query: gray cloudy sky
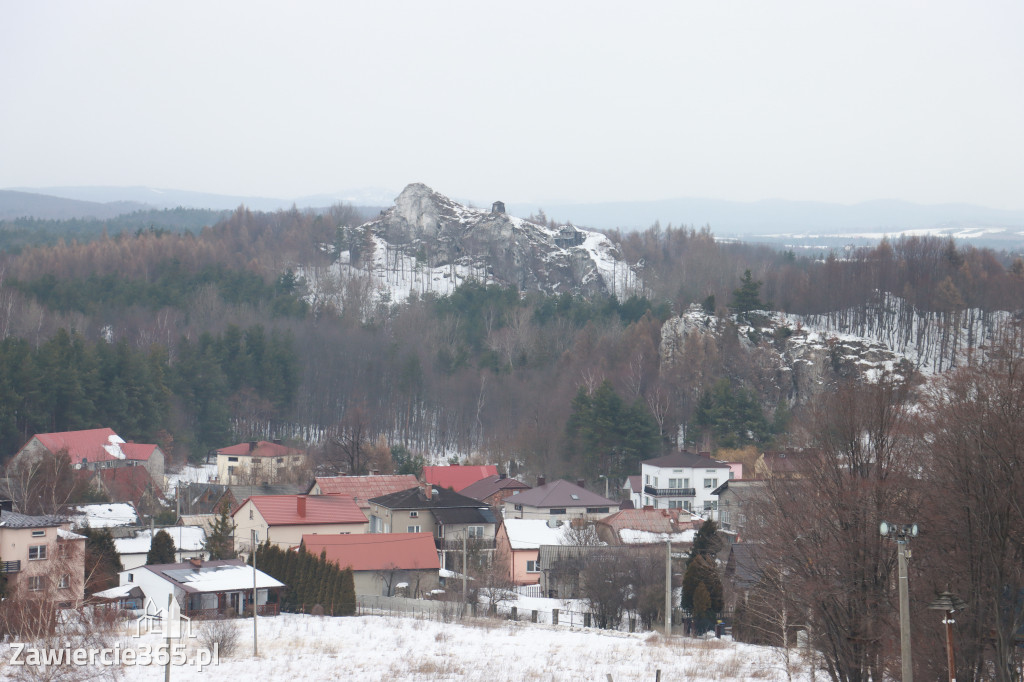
x,y
524,101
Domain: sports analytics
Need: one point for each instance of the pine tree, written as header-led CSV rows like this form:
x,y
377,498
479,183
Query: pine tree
x,y
161,549
102,561
348,592
746,298
707,542
220,540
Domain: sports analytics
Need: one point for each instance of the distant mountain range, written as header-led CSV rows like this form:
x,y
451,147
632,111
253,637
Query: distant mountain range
x,y
805,223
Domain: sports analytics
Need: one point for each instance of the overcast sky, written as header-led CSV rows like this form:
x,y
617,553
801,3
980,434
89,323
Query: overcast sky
x,y
523,101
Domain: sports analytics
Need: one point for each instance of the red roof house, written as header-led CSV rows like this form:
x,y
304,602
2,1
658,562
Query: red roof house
x,y
97,449
362,488
283,519
457,476
383,562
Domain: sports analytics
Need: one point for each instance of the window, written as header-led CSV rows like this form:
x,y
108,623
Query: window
x,y
232,459
555,511
36,582
674,483
647,501
533,567
732,474
65,582
475,532
36,552
710,505
711,483
38,533
296,459
412,529
251,514
686,483
518,507
414,514
231,471
655,481
675,504
131,577
597,510
280,460
647,479
687,506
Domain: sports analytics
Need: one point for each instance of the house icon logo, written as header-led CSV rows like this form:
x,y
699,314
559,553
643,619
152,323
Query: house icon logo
x,y
163,622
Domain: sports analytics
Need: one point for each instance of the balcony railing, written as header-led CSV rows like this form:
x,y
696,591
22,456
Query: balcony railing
x,y
451,545
10,566
669,492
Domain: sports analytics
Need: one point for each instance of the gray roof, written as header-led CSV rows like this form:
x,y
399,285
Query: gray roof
x,y
10,519
464,515
744,564
684,460
415,498
560,494
486,487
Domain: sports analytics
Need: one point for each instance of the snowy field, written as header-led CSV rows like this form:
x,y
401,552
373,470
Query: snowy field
x,y
299,647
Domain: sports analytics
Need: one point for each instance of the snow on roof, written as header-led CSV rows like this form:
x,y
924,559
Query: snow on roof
x,y
116,592
68,535
643,537
91,445
531,533
105,515
215,576
186,539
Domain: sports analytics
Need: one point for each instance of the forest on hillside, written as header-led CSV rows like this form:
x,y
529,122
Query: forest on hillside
x,y
197,339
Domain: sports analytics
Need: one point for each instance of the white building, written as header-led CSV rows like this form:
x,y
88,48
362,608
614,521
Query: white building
x,y
682,480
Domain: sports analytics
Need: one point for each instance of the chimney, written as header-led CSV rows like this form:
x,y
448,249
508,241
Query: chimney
x,y
501,477
540,481
196,562
581,483
300,505
428,490
375,472
252,445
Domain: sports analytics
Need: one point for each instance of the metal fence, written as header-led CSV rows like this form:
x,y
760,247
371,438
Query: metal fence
x,y
450,611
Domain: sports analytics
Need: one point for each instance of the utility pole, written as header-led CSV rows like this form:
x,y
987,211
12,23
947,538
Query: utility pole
x,y
668,589
465,599
255,643
167,628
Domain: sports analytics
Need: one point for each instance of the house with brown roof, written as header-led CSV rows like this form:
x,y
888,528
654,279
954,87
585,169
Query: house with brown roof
x,y
282,520
648,526
457,476
362,488
789,463
560,500
128,484
258,462
383,564
448,516
494,489
95,449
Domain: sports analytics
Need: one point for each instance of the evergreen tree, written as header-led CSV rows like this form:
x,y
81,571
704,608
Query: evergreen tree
x,y
220,539
610,436
703,614
348,592
707,542
102,560
161,549
747,298
701,571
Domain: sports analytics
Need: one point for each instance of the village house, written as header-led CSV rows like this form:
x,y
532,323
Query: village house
x,y
560,500
204,589
362,489
258,462
131,485
681,480
383,565
648,526
41,558
449,517
494,489
282,520
457,476
96,449
133,544
518,547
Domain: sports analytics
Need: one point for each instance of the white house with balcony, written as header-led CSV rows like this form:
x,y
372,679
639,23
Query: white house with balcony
x,y
682,480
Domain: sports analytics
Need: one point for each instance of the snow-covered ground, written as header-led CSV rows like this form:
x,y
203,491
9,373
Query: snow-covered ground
x,y
203,473
297,647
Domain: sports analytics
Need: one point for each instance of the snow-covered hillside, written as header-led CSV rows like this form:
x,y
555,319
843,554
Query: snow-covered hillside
x,y
427,243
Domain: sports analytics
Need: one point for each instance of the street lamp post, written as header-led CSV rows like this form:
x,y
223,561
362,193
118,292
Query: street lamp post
x,y
902,534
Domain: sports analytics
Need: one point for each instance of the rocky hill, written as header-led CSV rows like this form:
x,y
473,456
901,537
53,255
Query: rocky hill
x,y
427,242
